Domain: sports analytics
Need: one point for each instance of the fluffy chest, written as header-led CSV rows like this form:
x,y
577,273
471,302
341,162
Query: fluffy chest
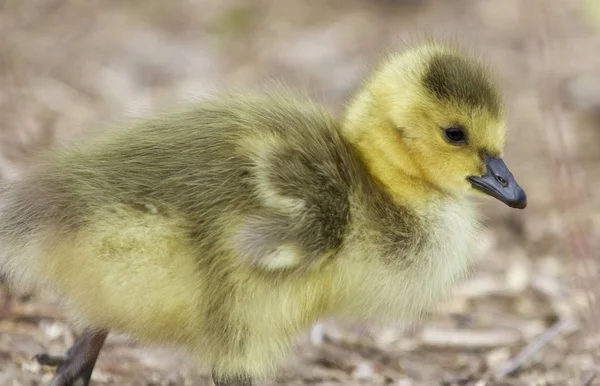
x,y
387,279
447,253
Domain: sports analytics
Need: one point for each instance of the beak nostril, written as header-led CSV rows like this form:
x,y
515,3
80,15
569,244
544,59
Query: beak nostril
x,y
502,181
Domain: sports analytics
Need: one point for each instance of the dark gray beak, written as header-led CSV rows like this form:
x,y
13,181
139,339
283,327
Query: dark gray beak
x,y
499,183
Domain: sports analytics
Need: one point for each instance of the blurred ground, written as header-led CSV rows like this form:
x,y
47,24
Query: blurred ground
x,y
71,65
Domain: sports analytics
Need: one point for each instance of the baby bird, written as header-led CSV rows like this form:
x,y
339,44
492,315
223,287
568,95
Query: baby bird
x,y
232,225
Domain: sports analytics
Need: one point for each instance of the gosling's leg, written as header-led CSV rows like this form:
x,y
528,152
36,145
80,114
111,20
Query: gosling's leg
x,y
6,306
6,301
75,369
231,381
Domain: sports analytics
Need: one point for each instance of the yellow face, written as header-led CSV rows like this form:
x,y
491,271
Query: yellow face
x,y
449,142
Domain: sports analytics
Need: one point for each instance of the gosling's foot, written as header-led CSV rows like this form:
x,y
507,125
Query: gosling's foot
x,y
75,368
6,306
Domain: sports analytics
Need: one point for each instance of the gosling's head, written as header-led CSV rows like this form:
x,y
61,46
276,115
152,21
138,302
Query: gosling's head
x,y
434,113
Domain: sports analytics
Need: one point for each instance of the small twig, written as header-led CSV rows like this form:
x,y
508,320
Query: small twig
x,y
532,348
38,311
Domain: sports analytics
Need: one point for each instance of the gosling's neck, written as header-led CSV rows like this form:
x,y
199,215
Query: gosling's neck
x,y
382,148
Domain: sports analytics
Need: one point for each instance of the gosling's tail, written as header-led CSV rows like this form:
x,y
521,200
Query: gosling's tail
x,y
31,220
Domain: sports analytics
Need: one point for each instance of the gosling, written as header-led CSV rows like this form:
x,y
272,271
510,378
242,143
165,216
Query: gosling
x,y
232,225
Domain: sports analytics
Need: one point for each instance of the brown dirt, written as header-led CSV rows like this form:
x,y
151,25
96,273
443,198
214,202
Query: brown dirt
x,y
69,65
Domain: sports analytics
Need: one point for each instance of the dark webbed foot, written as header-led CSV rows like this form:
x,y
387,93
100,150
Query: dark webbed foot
x,y
75,368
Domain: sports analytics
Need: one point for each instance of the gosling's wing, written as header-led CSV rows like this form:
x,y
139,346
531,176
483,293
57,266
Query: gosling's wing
x,y
302,181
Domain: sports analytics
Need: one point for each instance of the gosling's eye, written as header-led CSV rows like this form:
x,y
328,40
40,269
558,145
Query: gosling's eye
x,y
455,135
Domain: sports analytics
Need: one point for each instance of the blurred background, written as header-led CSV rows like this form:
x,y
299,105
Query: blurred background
x,y
526,314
